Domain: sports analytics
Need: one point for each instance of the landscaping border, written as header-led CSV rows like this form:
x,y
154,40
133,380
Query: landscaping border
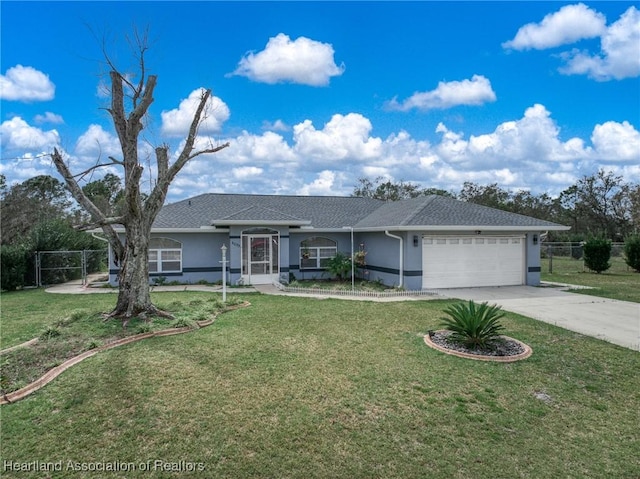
x,y
480,357
55,372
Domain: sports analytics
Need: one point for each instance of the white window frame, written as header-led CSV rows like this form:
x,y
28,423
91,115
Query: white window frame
x,y
164,255
319,253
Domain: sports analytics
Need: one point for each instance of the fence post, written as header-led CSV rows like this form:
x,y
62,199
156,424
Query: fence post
x,y
550,254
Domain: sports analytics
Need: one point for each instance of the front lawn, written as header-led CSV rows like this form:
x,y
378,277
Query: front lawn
x,y
307,388
618,282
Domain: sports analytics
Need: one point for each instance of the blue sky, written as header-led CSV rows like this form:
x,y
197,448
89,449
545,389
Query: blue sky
x,y
314,95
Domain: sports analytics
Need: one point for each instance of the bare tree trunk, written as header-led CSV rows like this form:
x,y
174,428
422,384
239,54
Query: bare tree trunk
x,y
133,279
132,254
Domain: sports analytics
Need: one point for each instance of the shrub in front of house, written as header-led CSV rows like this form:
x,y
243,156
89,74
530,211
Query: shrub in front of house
x,y
632,252
597,253
339,266
474,325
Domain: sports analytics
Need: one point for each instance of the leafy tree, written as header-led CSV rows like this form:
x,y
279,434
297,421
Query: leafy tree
x,y
632,252
599,204
128,112
13,263
26,204
392,191
597,253
107,194
491,195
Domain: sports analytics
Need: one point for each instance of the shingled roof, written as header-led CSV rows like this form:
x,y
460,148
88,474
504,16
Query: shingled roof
x,y
321,212
335,212
440,212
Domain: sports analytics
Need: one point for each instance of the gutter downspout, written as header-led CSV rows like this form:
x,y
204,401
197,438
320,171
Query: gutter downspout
x,y
399,238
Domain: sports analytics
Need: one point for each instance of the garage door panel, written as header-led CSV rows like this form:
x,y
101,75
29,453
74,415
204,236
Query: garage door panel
x,y
459,262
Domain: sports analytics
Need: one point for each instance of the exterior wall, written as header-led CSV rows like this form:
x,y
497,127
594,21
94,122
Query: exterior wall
x,y
201,258
532,259
384,256
343,244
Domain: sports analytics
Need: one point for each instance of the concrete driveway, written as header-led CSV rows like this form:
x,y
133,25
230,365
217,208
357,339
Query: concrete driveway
x,y
614,321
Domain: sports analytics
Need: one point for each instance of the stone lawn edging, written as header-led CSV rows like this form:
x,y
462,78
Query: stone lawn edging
x,y
480,357
55,372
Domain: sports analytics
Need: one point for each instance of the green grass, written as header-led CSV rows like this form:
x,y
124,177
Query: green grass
x,y
618,282
305,388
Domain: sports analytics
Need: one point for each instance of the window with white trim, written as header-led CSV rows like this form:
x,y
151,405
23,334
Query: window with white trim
x,y
316,252
165,255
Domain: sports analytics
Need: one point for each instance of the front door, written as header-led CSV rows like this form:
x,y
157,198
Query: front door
x,y
262,264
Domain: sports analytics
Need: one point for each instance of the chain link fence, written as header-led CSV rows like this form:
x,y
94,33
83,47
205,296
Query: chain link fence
x,y
55,267
572,252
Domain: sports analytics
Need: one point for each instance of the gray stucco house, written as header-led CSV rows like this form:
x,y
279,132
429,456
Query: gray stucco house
x,y
428,242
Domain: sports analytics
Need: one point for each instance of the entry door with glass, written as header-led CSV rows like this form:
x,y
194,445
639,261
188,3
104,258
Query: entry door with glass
x,y
261,265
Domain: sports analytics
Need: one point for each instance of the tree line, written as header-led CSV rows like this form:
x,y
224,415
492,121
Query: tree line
x,y
598,205
39,215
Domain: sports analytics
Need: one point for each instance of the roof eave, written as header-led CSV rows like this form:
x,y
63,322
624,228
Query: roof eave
x,y
465,228
261,223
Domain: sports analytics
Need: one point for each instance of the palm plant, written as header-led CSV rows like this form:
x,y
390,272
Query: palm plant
x,y
474,325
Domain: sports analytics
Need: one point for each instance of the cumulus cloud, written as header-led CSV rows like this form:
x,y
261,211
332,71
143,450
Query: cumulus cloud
x,y
96,141
246,172
568,25
620,52
343,137
323,185
277,125
26,84
616,142
49,117
475,91
303,61
533,138
619,55
176,122
17,134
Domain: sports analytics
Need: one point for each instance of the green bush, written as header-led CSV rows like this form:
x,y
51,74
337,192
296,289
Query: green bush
x,y
632,252
473,325
340,266
597,253
13,264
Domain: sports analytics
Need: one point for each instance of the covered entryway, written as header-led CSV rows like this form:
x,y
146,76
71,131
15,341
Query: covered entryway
x,y
260,256
469,261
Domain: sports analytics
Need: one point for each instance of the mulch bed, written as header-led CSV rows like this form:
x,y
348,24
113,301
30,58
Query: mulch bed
x,y
503,349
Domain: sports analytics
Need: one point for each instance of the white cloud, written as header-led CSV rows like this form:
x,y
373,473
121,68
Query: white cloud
x,y
568,25
178,121
535,138
476,91
17,134
343,137
323,185
246,172
616,142
96,141
277,125
26,84
303,61
49,117
620,52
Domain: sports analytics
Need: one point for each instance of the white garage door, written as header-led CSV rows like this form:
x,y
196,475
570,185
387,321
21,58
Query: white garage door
x,y
462,262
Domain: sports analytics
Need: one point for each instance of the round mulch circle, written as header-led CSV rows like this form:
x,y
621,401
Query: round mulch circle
x,y
506,350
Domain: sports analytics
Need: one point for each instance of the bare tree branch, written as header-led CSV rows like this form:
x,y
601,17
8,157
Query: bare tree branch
x,y
97,215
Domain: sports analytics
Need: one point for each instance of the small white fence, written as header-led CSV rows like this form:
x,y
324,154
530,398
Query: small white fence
x,y
357,293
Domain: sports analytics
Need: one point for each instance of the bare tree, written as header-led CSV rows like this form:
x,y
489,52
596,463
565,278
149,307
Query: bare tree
x,y
139,212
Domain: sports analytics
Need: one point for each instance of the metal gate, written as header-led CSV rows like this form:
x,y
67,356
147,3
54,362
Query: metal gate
x,y
53,267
